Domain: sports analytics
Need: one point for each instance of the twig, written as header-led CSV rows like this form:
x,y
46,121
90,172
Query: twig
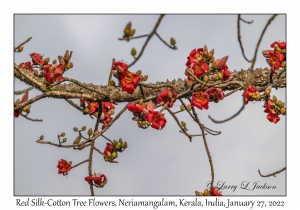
x,y
27,40
19,92
92,146
80,84
34,120
272,174
206,146
110,73
73,104
107,139
173,47
233,116
248,22
176,119
135,37
147,40
239,38
156,86
231,92
212,132
187,109
59,140
78,164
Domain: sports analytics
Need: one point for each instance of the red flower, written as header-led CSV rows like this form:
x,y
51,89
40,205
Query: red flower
x,y
106,106
18,101
275,60
166,96
249,92
157,119
38,58
120,64
99,180
109,148
215,192
64,166
225,72
53,73
281,45
27,65
200,100
128,81
107,119
93,107
215,94
135,108
273,117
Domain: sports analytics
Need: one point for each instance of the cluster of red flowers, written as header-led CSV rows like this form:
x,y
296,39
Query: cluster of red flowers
x,y
166,96
276,58
108,109
98,180
204,66
52,72
24,109
251,94
127,79
274,108
64,166
146,115
212,192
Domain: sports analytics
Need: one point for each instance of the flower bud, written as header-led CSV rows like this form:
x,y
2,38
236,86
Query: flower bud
x,y
189,108
86,110
138,72
148,123
182,108
54,61
220,75
114,154
62,134
206,193
183,123
112,83
212,59
132,32
266,53
75,129
77,140
69,65
205,78
41,137
215,77
96,133
283,64
46,61
219,63
133,52
141,102
283,111
124,145
83,128
274,98
172,41
20,49
90,132
108,154
145,78
268,90
118,146
67,56
64,140
120,140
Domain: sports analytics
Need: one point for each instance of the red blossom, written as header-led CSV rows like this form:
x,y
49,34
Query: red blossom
x,y
135,108
93,107
215,192
27,65
275,60
63,166
219,63
215,94
166,96
281,45
200,100
225,72
18,101
107,119
109,148
106,106
156,118
249,92
128,81
99,180
120,64
38,58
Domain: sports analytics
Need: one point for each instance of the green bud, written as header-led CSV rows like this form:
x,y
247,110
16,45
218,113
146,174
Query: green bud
x,y
182,108
65,140
96,133
124,145
90,132
172,41
54,61
75,129
133,51
141,102
115,142
83,128
108,154
120,140
62,134
118,146
114,154
86,110
41,137
112,83
274,98
20,49
183,123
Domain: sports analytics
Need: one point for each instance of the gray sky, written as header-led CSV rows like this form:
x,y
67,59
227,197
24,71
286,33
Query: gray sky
x,y
156,162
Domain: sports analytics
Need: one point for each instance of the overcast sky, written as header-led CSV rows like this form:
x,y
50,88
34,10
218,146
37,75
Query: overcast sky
x,y
156,162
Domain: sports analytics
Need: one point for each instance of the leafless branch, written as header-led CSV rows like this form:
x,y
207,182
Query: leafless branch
x,y
78,164
34,120
272,174
239,38
19,92
27,40
173,47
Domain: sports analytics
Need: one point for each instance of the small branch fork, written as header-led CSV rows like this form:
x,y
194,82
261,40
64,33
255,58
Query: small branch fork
x,y
27,40
272,174
149,36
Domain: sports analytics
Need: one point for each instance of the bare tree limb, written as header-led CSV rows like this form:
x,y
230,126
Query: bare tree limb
x,y
272,174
